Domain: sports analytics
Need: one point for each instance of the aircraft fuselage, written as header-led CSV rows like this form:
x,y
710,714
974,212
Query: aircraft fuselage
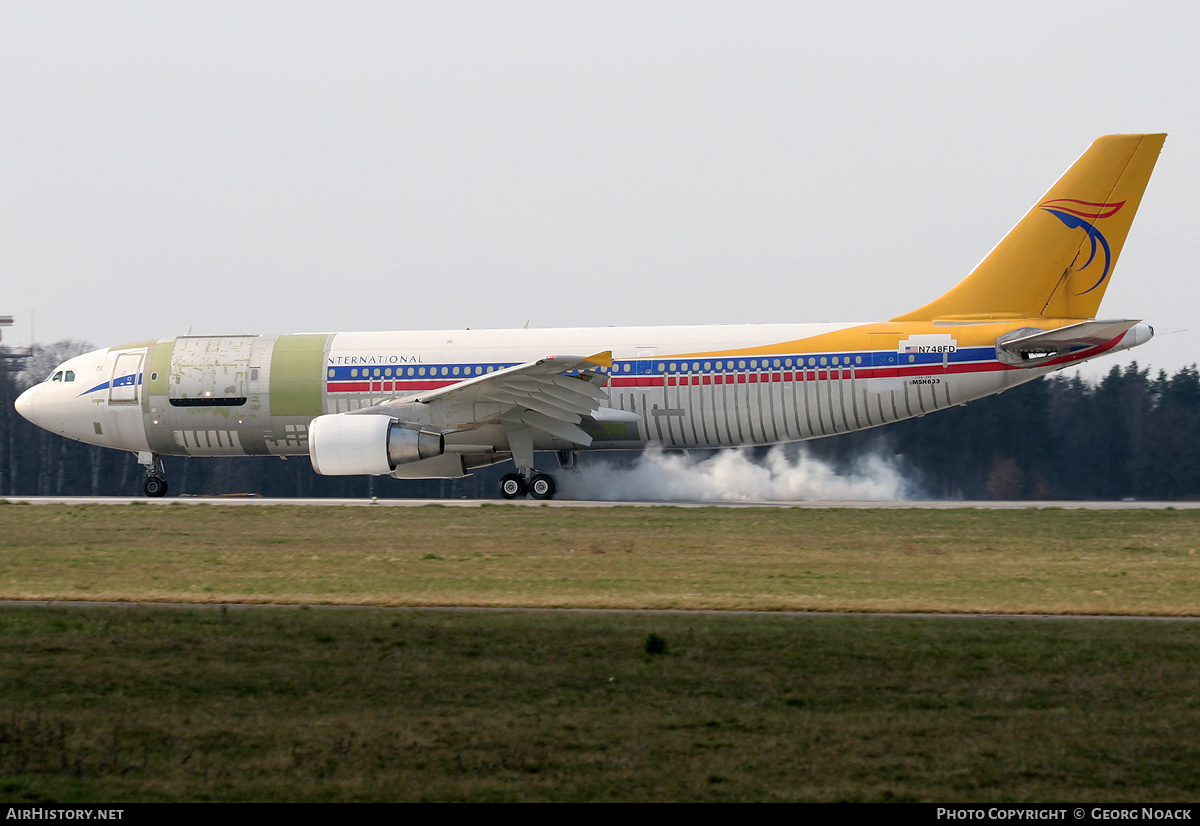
x,y
676,387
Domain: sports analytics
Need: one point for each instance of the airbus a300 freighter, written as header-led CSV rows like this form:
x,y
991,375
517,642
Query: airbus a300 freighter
x,y
439,403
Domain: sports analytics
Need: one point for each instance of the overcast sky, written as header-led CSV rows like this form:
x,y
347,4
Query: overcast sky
x,y
266,167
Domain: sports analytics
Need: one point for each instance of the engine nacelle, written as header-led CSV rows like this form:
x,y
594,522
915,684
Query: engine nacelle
x,y
341,444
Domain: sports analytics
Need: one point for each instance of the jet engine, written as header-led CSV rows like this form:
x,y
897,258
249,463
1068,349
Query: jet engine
x,y
342,444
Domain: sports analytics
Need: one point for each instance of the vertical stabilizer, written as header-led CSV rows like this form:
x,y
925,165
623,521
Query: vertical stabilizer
x,y
1057,261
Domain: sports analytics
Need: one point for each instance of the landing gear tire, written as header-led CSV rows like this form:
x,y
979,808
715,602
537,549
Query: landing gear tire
x,y
541,486
512,486
155,486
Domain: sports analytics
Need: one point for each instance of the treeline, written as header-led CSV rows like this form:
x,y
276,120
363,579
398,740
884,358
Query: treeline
x,y
1129,435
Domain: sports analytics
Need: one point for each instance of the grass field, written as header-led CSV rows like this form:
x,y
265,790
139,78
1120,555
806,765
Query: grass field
x,y
115,704
1032,561
143,703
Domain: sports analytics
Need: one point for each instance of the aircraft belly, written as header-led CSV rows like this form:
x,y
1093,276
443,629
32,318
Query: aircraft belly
x,y
237,431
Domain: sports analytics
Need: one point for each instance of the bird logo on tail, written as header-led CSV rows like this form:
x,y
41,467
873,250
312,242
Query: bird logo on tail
x,y
1080,215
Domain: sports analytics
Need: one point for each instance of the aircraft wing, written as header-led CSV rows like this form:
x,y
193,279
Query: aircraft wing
x,y
552,394
1030,345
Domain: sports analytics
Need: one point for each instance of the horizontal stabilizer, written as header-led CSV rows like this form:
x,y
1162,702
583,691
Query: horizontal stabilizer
x,y
1030,346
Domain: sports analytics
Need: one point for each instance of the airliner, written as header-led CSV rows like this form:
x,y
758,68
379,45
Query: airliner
x,y
437,404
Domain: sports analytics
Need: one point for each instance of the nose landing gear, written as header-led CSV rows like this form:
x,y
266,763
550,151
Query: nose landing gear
x,y
155,485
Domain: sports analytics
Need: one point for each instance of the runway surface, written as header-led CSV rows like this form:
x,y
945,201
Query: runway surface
x,y
569,503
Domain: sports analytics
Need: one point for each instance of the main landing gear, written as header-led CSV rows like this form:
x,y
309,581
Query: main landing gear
x,y
537,485
155,485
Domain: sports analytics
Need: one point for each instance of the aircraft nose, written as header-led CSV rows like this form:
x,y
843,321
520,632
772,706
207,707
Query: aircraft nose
x,y
24,404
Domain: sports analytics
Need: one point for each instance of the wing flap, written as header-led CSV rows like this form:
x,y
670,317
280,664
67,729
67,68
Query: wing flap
x,y
547,408
573,396
566,431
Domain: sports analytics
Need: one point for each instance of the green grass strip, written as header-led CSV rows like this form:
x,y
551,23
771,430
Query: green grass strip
x,y
164,704
1027,561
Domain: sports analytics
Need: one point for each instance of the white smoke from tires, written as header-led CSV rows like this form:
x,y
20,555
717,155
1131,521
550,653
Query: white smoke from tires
x,y
786,473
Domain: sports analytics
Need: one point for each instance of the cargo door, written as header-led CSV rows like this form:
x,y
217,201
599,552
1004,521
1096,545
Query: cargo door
x,y
210,371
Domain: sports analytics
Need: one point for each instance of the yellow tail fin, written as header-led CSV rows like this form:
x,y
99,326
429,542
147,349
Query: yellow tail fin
x,y
1057,262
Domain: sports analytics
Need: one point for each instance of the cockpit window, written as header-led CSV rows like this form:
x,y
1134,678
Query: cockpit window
x,y
57,376
69,375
